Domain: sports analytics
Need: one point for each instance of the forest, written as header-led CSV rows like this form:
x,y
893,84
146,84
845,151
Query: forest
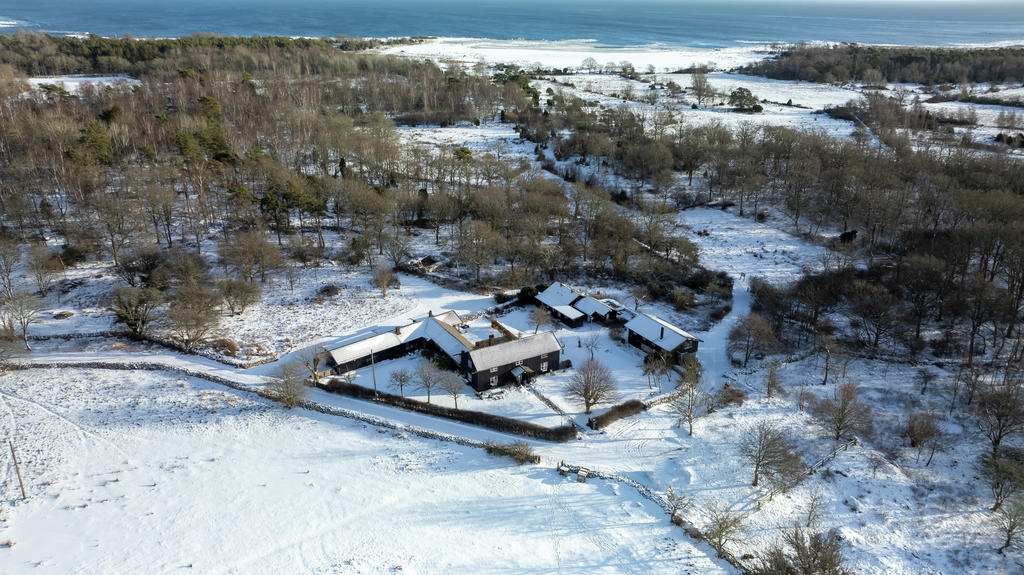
x,y
877,64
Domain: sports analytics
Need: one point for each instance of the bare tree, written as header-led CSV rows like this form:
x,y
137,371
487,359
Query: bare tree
x,y
1011,522
22,310
701,88
193,315
809,553
238,294
540,317
923,433
135,307
452,384
382,278
591,344
10,255
592,383
1005,476
769,452
752,334
400,379
288,385
724,526
691,396
312,358
428,376
678,502
1000,411
44,266
396,247
845,415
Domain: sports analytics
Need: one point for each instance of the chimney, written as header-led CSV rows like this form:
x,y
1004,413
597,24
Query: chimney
x,y
398,330
490,339
430,313
662,336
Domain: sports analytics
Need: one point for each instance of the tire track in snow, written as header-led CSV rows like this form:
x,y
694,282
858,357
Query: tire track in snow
x,y
83,433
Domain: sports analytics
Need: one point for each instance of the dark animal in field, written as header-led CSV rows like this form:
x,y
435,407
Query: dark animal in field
x,y
847,237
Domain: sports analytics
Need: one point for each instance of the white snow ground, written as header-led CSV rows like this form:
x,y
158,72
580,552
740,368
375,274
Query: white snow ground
x,y
147,473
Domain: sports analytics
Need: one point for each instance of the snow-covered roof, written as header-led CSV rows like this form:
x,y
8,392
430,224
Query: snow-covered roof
x,y
558,294
515,350
446,337
658,331
591,306
441,333
376,343
568,311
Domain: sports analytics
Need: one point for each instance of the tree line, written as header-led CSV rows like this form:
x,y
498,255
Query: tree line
x,y
876,64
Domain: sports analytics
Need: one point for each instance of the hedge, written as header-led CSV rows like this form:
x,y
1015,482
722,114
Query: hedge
x,y
491,421
626,409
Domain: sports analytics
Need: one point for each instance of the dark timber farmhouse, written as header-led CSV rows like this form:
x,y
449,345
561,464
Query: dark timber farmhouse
x,y
573,308
652,334
485,364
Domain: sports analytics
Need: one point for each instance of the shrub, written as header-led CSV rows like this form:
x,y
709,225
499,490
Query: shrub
x,y
503,298
625,409
224,346
519,451
527,294
725,397
329,290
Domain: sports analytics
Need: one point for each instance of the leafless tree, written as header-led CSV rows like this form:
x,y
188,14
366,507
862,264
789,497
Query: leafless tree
x,y
382,278
1005,477
691,396
452,384
238,294
923,433
845,415
428,376
1011,522
400,379
1000,410
288,384
723,527
44,266
22,310
193,315
540,317
591,384
701,88
135,307
769,452
10,255
751,334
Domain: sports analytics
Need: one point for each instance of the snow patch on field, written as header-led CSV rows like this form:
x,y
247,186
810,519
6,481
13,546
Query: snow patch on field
x,y
140,472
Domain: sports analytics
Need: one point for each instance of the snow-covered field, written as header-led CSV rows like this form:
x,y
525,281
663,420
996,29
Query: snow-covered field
x,y
146,473
572,53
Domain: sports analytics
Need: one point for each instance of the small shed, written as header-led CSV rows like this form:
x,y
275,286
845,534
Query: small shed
x,y
558,299
594,309
652,334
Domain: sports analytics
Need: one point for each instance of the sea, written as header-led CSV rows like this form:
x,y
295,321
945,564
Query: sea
x,y
613,23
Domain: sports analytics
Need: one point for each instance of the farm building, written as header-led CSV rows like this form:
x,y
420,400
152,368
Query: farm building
x,y
652,334
558,299
496,360
594,310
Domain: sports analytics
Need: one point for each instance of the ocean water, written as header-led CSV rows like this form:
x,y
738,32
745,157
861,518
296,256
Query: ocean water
x,y
691,23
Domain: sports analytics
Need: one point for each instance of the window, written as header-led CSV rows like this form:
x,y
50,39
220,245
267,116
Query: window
x,y
494,370
494,380
518,363
543,366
